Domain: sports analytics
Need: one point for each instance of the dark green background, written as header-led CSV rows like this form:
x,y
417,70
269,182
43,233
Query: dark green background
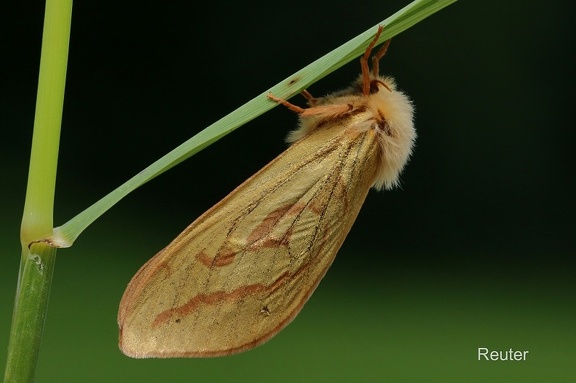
x,y
475,250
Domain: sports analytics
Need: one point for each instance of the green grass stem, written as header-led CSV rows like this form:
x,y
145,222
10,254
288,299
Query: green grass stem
x,y
37,261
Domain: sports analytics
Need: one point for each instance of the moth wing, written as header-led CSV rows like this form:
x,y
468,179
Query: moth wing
x,y
244,269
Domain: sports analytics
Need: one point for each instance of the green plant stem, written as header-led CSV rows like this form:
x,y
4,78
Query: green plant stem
x,y
38,259
37,267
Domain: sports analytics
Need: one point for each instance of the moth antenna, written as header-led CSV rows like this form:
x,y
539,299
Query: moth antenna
x,y
364,63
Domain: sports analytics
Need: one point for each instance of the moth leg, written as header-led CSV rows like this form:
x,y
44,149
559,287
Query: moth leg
x,y
364,62
331,110
375,61
312,101
376,58
289,105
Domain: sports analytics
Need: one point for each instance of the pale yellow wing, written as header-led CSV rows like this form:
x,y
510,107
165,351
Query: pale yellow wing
x,y
243,270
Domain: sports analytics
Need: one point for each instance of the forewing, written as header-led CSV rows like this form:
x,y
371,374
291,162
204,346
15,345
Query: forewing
x,y
242,271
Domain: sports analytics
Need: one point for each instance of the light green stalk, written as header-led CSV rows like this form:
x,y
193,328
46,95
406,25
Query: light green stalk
x,y
37,260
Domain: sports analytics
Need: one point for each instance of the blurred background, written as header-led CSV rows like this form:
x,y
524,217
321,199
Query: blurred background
x,y
476,249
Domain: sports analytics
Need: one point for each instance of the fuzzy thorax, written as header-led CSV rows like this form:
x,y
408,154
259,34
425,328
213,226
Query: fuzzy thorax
x,y
386,110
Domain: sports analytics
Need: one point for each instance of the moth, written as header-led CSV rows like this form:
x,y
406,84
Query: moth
x,y
243,270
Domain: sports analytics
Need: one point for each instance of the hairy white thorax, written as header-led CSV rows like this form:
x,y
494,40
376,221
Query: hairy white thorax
x,y
386,110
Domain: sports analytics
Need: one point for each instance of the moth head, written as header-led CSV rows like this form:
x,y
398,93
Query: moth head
x,y
391,115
